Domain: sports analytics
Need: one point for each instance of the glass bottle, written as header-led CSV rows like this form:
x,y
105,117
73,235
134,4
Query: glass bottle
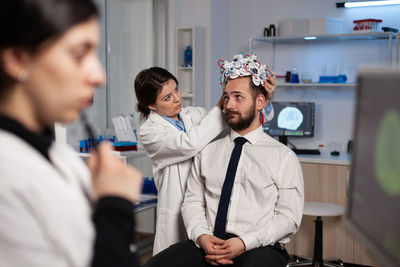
x,y
294,78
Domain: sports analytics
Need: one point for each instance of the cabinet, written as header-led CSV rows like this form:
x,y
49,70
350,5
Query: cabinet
x,y
326,182
298,43
190,78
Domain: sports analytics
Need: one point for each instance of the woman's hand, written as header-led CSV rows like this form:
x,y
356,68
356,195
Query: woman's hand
x,y
270,86
220,103
111,177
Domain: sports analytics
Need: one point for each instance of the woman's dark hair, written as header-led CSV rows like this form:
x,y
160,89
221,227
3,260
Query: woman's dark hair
x,y
148,84
27,24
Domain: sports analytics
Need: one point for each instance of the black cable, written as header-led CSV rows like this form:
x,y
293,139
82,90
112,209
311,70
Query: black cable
x,y
291,144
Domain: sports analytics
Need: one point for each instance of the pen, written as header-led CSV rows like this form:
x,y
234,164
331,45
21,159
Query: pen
x,y
89,130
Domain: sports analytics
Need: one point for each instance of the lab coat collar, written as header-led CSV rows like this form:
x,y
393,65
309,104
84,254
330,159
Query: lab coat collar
x,y
154,116
251,137
186,119
41,142
179,124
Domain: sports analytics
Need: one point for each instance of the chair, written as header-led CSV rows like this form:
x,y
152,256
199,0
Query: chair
x,y
319,209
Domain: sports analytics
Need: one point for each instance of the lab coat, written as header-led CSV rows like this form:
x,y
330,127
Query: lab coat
x,y
45,216
171,153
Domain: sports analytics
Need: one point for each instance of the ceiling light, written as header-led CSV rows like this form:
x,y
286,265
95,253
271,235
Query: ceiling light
x,y
368,3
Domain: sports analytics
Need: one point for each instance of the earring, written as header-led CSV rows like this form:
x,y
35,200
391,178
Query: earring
x,y
22,76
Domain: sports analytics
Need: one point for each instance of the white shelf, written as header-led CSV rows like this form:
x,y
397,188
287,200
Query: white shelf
x,y
325,37
319,85
190,78
130,154
127,154
184,68
272,41
187,95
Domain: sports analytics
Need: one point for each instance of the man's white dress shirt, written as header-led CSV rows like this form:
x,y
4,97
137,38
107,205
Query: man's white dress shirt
x,y
267,198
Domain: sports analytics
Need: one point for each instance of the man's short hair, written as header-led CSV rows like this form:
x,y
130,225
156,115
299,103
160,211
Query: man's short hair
x,y
255,90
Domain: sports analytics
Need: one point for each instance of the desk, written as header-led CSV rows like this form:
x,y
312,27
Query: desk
x,y
326,158
146,245
124,155
325,179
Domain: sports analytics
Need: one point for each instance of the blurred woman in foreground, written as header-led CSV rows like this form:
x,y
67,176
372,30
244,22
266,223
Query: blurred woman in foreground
x,y
54,211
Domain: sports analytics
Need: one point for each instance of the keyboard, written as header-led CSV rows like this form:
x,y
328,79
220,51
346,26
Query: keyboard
x,y
307,151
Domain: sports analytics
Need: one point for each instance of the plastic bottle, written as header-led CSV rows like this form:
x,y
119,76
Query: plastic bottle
x,y
188,56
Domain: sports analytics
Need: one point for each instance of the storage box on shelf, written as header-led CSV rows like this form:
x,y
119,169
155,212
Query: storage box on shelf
x,y
325,25
293,26
310,26
367,25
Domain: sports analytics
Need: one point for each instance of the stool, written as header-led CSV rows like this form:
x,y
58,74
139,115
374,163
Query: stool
x,y
319,209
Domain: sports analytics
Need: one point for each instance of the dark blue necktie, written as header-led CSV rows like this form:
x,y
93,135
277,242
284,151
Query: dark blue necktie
x,y
220,220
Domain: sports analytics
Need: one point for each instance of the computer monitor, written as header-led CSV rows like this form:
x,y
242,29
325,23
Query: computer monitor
x,y
292,119
373,212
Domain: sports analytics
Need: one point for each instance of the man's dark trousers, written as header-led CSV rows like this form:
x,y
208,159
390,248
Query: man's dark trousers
x,y
187,254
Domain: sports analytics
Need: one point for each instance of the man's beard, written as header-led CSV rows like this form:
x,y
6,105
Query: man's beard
x,y
242,122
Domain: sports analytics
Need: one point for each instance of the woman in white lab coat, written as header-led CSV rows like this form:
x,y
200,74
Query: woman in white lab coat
x,y
172,136
51,212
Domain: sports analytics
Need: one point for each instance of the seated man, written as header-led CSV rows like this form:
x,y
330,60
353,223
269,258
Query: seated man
x,y
245,193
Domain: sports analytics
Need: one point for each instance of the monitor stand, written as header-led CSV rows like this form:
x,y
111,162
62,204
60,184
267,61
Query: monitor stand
x,y
283,139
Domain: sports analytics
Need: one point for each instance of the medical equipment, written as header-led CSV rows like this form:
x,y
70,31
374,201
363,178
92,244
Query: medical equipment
x,y
244,65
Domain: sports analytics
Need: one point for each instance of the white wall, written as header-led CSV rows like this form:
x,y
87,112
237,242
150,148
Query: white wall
x,y
263,13
334,108
130,33
230,24
125,49
186,13
130,40
97,113
220,45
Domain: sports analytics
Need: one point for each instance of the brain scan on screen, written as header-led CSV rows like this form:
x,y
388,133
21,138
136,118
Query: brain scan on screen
x,y
290,118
